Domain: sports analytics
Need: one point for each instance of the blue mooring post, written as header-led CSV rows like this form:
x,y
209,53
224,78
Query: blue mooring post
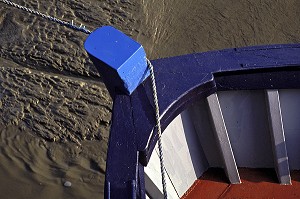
x,y
122,63
120,60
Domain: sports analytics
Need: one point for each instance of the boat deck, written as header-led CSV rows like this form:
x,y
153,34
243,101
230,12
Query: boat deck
x,y
256,183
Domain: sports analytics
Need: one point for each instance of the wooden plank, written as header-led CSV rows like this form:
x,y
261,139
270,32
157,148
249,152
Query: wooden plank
x,y
152,189
223,139
184,159
278,137
153,183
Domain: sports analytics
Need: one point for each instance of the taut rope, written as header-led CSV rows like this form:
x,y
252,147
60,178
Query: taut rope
x,y
161,157
46,16
83,29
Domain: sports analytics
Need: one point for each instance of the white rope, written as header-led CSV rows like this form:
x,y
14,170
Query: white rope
x,y
161,158
81,28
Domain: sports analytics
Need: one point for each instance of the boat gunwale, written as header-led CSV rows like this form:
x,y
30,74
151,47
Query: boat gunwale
x,y
181,81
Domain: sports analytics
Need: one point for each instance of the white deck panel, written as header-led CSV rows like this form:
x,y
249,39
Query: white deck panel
x,y
290,109
278,137
245,116
190,145
184,159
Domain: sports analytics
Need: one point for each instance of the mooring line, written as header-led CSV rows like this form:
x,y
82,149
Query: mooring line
x,y
71,25
83,29
157,116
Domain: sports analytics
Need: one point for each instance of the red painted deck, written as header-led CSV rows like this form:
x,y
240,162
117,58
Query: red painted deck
x,y
256,183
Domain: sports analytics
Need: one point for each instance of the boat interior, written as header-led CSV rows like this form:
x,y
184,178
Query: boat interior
x,y
231,130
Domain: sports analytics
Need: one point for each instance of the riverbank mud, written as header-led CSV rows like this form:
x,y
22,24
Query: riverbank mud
x,y
54,109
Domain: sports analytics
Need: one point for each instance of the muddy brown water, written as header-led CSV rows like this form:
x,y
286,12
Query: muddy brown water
x,y
55,110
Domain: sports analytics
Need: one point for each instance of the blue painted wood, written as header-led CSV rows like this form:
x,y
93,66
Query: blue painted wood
x,y
121,171
180,81
120,60
141,192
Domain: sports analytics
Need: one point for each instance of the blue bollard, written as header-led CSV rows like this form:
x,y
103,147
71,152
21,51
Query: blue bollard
x,y
119,59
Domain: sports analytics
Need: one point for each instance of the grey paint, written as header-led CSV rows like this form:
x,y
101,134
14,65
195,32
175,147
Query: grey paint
x,y
184,158
223,139
245,116
151,188
153,181
290,107
197,139
199,160
278,137
205,133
